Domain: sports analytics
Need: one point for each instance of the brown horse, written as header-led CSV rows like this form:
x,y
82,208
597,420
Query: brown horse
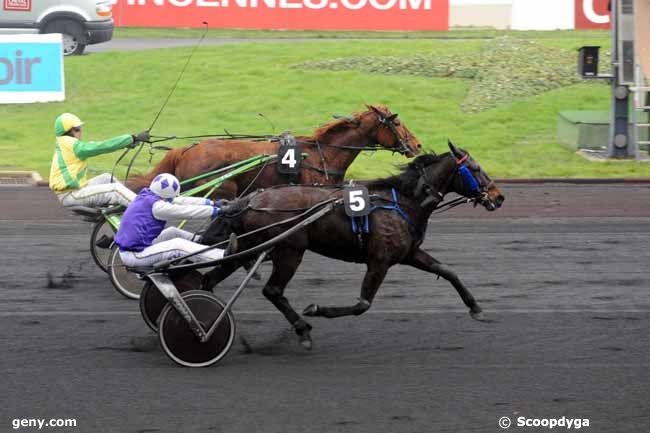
x,y
396,230
331,150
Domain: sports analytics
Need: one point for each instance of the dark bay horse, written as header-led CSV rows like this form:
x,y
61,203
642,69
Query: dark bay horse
x,y
394,237
331,150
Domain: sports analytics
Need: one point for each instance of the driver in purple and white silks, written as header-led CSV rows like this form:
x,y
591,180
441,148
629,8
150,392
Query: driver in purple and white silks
x,y
142,237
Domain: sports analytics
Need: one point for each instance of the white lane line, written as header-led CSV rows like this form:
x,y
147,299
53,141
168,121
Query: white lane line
x,y
489,313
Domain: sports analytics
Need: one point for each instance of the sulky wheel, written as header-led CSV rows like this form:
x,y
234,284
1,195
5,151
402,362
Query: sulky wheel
x,y
104,231
181,344
125,282
152,301
151,304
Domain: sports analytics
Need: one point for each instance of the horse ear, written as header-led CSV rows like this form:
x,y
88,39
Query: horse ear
x,y
373,108
456,151
392,117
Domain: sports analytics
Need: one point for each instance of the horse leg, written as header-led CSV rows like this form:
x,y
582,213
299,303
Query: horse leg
x,y
374,277
285,263
421,260
217,275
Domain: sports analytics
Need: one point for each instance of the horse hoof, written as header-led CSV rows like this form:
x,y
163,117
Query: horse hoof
x,y
302,330
478,315
306,343
311,310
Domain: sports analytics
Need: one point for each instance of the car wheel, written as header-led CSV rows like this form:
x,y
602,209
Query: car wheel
x,y
73,35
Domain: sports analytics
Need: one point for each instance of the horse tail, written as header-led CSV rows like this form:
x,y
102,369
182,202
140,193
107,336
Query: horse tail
x,y
166,165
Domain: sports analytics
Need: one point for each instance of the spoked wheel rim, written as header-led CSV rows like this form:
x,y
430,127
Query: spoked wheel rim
x,y
101,255
180,343
70,44
125,282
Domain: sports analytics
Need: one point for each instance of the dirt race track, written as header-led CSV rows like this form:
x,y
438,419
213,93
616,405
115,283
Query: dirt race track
x,y
561,272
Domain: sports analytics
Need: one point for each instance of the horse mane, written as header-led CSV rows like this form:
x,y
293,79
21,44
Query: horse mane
x,y
335,126
321,133
166,165
407,179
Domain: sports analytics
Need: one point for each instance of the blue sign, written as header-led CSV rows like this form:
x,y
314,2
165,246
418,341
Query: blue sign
x,y
31,68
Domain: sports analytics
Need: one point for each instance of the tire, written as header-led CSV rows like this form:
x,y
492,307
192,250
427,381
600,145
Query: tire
x,y
125,282
152,301
100,255
180,343
74,38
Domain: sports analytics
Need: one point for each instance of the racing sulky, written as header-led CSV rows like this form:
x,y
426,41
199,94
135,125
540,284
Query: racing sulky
x,y
391,234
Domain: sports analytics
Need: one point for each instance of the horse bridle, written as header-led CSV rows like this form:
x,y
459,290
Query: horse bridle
x,y
385,122
424,185
467,177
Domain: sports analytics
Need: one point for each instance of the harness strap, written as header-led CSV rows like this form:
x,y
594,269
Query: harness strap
x,y
165,148
335,146
252,182
462,160
452,204
322,159
365,220
325,172
393,207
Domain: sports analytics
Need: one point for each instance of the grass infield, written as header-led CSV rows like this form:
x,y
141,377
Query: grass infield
x,y
497,94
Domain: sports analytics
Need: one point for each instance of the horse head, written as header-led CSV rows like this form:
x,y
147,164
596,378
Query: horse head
x,y
472,181
390,133
432,176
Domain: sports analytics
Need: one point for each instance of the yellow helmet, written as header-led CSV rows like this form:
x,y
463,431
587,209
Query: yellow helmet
x,y
65,123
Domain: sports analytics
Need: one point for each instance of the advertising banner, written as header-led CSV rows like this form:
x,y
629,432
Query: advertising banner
x,y
592,14
31,68
286,14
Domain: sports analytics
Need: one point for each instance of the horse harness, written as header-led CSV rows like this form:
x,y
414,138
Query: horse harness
x,y
287,139
385,121
361,225
436,195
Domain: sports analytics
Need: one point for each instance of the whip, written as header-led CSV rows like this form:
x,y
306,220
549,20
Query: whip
x,y
205,32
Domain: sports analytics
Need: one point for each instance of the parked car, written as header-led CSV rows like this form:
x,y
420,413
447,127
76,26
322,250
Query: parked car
x,y
81,22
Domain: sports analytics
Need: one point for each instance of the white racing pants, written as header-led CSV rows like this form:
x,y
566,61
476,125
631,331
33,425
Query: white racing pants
x,y
99,192
171,243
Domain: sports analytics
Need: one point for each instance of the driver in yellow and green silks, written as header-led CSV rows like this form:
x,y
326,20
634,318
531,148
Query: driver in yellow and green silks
x,y
68,175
